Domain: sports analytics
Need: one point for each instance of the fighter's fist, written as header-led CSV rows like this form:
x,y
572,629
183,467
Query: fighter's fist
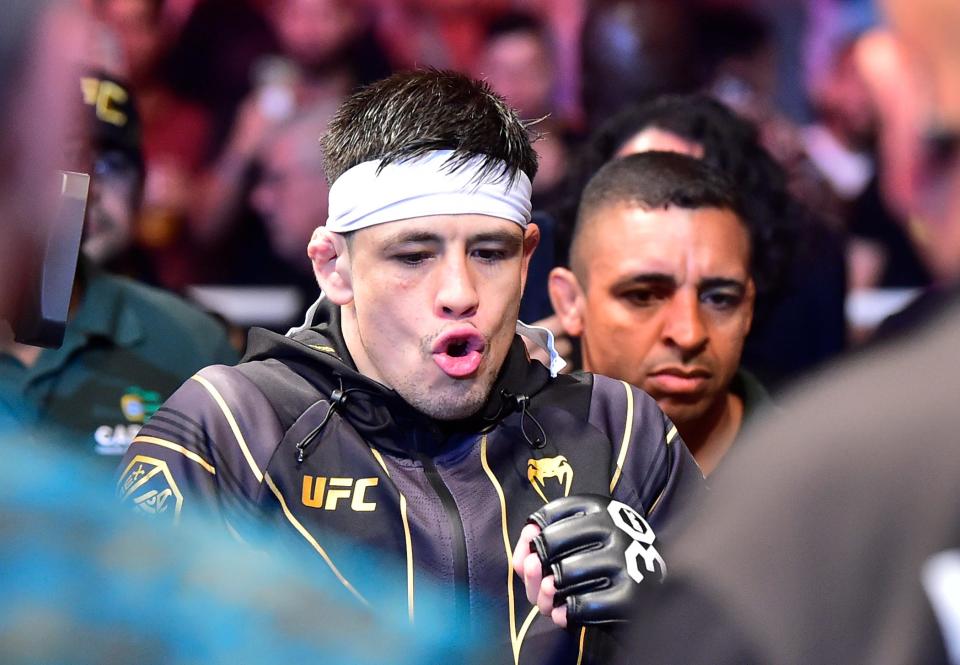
x,y
601,554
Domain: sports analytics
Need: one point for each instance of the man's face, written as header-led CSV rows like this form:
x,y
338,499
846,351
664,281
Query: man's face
x,y
314,32
517,65
668,302
137,24
434,308
292,198
112,208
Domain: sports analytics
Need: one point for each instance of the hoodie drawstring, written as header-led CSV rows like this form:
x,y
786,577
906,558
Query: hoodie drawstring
x,y
337,399
521,403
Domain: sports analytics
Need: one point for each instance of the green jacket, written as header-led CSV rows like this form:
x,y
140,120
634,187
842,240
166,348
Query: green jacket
x,y
126,349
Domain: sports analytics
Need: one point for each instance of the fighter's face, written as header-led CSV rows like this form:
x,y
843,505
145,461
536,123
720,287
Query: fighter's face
x,y
434,308
668,302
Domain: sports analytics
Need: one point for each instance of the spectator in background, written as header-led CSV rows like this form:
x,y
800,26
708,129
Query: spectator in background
x,y
930,219
436,33
331,43
634,50
844,148
736,58
218,43
291,197
176,136
737,54
857,503
842,142
127,346
326,49
517,62
660,293
800,278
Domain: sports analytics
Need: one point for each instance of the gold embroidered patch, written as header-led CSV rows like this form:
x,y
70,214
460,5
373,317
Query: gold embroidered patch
x,y
539,470
148,486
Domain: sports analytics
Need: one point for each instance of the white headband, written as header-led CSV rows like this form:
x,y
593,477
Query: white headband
x,y
423,186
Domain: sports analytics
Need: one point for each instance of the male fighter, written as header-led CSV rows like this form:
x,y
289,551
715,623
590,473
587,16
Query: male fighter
x,y
406,415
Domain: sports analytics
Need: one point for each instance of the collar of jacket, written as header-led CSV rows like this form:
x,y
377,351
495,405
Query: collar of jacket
x,y
319,354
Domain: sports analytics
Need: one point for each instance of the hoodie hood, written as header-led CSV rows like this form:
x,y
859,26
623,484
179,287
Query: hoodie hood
x,y
319,354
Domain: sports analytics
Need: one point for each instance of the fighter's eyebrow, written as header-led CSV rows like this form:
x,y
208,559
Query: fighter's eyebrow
x,y
512,240
411,237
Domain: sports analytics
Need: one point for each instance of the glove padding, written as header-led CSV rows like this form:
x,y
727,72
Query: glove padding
x,y
601,554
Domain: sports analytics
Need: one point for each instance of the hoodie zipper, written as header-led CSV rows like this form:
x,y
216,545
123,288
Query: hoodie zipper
x,y
460,574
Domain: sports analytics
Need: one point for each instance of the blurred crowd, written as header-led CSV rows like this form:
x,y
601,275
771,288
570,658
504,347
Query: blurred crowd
x,y
233,95
834,134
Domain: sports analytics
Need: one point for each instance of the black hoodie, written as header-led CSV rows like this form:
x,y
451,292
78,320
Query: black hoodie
x,y
295,435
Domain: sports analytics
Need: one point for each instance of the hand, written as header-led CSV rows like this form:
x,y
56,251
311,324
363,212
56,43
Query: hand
x,y
601,555
540,590
250,130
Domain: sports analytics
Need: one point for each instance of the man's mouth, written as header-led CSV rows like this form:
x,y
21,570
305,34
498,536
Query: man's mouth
x,y
677,380
459,351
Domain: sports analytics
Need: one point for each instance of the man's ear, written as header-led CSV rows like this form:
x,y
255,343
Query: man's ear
x,y
331,265
750,304
568,300
531,238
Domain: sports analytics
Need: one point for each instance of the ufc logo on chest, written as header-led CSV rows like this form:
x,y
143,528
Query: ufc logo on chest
x,y
327,493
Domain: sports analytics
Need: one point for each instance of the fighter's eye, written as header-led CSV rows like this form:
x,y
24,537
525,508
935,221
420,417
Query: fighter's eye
x,y
489,255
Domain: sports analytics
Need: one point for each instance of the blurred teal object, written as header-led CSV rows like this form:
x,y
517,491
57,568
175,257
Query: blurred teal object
x,y
85,581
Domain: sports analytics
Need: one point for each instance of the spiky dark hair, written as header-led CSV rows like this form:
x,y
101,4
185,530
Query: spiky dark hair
x,y
653,181
412,113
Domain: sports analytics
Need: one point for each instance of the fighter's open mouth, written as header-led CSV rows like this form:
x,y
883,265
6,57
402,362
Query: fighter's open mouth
x,y
458,348
459,342
459,352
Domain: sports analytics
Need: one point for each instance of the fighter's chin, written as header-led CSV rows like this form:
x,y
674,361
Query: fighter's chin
x,y
453,403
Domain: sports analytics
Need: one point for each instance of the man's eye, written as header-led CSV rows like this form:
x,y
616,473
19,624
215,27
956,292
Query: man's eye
x,y
721,299
640,297
412,258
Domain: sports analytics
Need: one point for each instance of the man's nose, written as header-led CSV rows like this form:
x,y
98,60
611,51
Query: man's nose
x,y
456,293
683,326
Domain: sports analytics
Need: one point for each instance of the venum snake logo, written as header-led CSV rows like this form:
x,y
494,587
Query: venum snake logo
x,y
540,470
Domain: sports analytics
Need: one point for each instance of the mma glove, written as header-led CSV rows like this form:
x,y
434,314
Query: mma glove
x,y
601,553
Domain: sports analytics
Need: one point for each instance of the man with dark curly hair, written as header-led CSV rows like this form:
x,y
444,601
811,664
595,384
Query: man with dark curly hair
x,y
797,260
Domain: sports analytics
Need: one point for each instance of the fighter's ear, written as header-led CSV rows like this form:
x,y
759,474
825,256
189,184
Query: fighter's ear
x,y
568,300
331,265
531,238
